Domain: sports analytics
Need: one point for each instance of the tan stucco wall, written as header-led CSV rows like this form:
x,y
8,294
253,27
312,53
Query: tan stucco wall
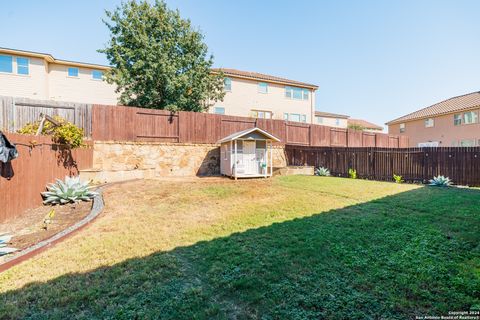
x,y
331,122
34,85
244,97
50,81
443,131
82,89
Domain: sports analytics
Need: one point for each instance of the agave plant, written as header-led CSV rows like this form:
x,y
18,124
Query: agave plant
x,y
322,171
440,181
4,240
70,190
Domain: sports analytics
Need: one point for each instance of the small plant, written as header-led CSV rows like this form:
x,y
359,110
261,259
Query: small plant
x,y
48,219
352,173
66,133
4,240
70,190
440,181
398,178
322,172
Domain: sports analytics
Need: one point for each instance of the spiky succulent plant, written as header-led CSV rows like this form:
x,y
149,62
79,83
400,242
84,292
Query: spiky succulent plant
x,y
4,240
70,190
322,171
440,181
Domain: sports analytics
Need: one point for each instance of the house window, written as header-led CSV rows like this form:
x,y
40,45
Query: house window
x,y
337,122
304,118
467,143
470,117
262,87
429,123
319,120
73,72
294,117
225,152
260,114
285,116
97,75
457,119
219,110
6,64
22,66
227,84
296,93
402,127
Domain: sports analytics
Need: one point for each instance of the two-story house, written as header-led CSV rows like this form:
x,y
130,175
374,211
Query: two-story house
x,y
40,76
450,123
251,94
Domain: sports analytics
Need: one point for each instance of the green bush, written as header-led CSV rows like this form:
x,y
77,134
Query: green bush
x,y
66,133
352,173
398,178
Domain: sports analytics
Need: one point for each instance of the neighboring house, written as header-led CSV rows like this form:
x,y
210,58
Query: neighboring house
x,y
367,126
450,123
251,94
331,119
41,76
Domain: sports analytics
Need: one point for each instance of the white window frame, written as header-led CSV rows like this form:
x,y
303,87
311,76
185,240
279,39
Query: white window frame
x,y
259,86
216,108
225,86
13,68
457,117
319,119
402,127
337,121
256,114
429,123
93,78
304,118
285,116
74,77
475,117
296,114
28,66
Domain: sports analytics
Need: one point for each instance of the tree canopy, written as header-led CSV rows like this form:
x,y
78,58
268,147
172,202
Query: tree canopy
x,y
158,59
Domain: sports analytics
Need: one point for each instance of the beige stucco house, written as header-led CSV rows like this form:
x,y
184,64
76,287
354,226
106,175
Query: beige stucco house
x,y
331,119
252,94
364,125
450,123
40,76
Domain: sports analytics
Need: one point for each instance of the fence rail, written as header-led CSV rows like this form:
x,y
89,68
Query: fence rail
x,y
23,179
461,164
136,124
17,112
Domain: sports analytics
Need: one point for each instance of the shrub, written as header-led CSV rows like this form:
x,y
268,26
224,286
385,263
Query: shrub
x,y
440,181
322,171
70,190
352,173
66,133
398,178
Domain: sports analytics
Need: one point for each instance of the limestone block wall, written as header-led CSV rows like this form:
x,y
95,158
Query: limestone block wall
x,y
153,159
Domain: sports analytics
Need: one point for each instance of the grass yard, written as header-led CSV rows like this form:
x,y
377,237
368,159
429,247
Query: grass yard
x,y
283,248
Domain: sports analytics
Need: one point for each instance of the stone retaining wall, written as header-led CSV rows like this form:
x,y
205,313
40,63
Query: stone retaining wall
x,y
114,161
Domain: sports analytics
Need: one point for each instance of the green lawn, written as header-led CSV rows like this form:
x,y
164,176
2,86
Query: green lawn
x,y
282,248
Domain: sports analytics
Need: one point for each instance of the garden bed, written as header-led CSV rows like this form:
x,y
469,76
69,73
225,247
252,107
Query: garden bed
x,y
29,228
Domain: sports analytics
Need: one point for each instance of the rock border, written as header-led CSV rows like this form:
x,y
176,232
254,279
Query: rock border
x,y
25,254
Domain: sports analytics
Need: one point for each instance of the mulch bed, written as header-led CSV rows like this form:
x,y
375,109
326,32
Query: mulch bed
x,y
29,228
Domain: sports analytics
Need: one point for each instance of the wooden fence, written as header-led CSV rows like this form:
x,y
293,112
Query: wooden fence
x,y
461,164
23,179
136,124
17,112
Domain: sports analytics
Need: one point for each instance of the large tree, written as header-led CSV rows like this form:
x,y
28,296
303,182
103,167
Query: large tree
x,y
159,60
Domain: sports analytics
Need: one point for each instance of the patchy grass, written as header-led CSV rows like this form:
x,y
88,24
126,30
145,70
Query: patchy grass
x,y
284,248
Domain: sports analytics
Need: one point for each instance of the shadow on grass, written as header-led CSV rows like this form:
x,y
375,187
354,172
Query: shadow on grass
x,y
409,254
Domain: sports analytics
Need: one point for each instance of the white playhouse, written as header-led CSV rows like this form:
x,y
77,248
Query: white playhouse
x,y
247,154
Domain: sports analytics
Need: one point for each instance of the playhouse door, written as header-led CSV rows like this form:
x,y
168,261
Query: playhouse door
x,y
249,158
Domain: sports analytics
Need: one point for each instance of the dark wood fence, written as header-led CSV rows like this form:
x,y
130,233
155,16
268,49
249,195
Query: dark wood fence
x,y
461,164
34,169
136,124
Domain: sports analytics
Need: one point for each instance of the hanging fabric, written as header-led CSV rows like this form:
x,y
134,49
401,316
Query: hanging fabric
x,y
8,151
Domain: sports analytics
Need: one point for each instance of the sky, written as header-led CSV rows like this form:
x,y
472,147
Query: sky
x,y
372,59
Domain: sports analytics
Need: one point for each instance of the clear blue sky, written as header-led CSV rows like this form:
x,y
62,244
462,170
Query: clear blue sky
x,y
371,59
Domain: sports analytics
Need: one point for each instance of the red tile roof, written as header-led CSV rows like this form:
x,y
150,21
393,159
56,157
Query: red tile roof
x,y
459,103
265,77
364,124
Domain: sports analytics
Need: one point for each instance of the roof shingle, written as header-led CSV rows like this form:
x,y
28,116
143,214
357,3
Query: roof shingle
x,y
364,124
261,76
459,103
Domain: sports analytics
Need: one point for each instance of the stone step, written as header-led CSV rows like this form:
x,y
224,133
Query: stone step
x,y
294,170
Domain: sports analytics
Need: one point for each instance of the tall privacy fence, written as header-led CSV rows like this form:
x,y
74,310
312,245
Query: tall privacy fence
x,y
23,179
17,112
461,164
136,124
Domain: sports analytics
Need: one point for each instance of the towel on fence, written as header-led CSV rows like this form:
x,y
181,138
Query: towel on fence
x,y
8,151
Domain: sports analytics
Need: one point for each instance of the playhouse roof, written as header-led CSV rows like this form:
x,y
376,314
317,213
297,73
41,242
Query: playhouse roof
x,y
240,134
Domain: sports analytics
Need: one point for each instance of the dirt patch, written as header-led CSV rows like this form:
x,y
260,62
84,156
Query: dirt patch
x,y
29,228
